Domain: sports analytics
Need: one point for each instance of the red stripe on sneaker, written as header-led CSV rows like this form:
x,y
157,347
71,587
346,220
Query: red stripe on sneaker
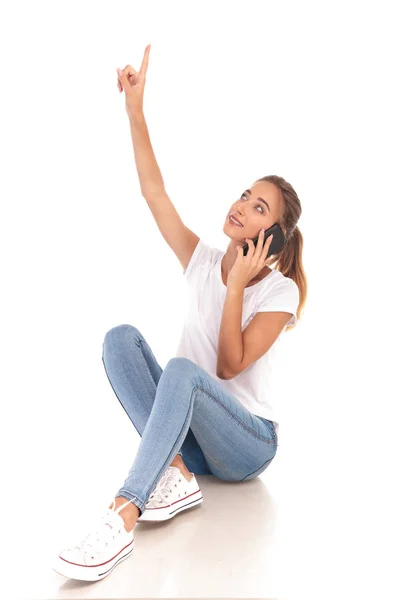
x,y
176,501
100,564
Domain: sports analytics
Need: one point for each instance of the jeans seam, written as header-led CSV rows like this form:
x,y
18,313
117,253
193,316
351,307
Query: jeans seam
x,y
172,453
126,412
259,468
148,371
145,361
140,340
271,426
257,435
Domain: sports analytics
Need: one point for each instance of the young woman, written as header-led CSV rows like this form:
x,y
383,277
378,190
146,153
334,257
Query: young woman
x,y
207,412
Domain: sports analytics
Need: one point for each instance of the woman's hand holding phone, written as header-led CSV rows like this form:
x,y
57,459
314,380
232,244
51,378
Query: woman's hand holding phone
x,y
248,267
278,241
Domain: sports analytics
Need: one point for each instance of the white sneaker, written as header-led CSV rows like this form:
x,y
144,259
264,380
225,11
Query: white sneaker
x,y
103,549
172,494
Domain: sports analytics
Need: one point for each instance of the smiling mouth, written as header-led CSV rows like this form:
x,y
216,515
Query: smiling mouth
x,y
232,222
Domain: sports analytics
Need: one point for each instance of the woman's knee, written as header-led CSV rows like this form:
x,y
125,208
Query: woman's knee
x,y
120,333
180,363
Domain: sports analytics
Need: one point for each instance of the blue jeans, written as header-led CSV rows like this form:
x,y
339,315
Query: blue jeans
x,y
181,410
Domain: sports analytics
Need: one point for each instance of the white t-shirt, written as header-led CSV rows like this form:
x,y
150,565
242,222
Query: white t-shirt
x,y
199,338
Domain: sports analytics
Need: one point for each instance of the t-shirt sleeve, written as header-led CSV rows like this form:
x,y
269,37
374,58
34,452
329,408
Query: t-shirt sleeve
x,y
283,296
200,262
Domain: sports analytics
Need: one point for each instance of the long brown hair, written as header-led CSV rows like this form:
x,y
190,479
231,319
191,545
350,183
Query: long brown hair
x,y
289,260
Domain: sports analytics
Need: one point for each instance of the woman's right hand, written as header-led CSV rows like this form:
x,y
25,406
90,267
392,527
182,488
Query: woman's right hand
x,y
133,82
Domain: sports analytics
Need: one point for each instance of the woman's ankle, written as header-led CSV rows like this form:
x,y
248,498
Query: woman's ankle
x,y
178,462
130,513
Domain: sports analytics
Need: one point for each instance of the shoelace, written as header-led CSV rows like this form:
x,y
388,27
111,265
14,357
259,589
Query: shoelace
x,y
105,532
160,493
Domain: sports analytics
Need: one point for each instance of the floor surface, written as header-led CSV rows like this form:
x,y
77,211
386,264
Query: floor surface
x,y
225,547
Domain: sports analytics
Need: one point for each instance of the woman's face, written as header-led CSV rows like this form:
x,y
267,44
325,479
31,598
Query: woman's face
x,y
257,208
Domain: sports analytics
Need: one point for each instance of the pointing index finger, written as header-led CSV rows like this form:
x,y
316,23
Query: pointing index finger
x,y
145,61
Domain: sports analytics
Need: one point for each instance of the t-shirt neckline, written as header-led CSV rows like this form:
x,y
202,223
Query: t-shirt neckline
x,y
246,289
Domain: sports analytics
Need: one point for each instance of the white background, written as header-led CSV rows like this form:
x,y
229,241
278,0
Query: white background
x,y
235,91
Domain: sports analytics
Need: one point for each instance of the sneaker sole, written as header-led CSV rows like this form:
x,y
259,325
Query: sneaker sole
x,y
167,512
91,572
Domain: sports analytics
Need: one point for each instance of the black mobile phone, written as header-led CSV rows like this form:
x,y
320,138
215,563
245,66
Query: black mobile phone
x,y
278,241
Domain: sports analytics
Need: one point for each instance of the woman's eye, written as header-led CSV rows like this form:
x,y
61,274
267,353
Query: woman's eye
x,y
258,205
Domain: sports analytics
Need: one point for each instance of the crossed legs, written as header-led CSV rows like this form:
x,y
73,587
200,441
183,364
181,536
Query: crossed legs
x,y
130,513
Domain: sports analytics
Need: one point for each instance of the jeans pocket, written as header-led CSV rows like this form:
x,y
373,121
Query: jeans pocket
x,y
271,428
